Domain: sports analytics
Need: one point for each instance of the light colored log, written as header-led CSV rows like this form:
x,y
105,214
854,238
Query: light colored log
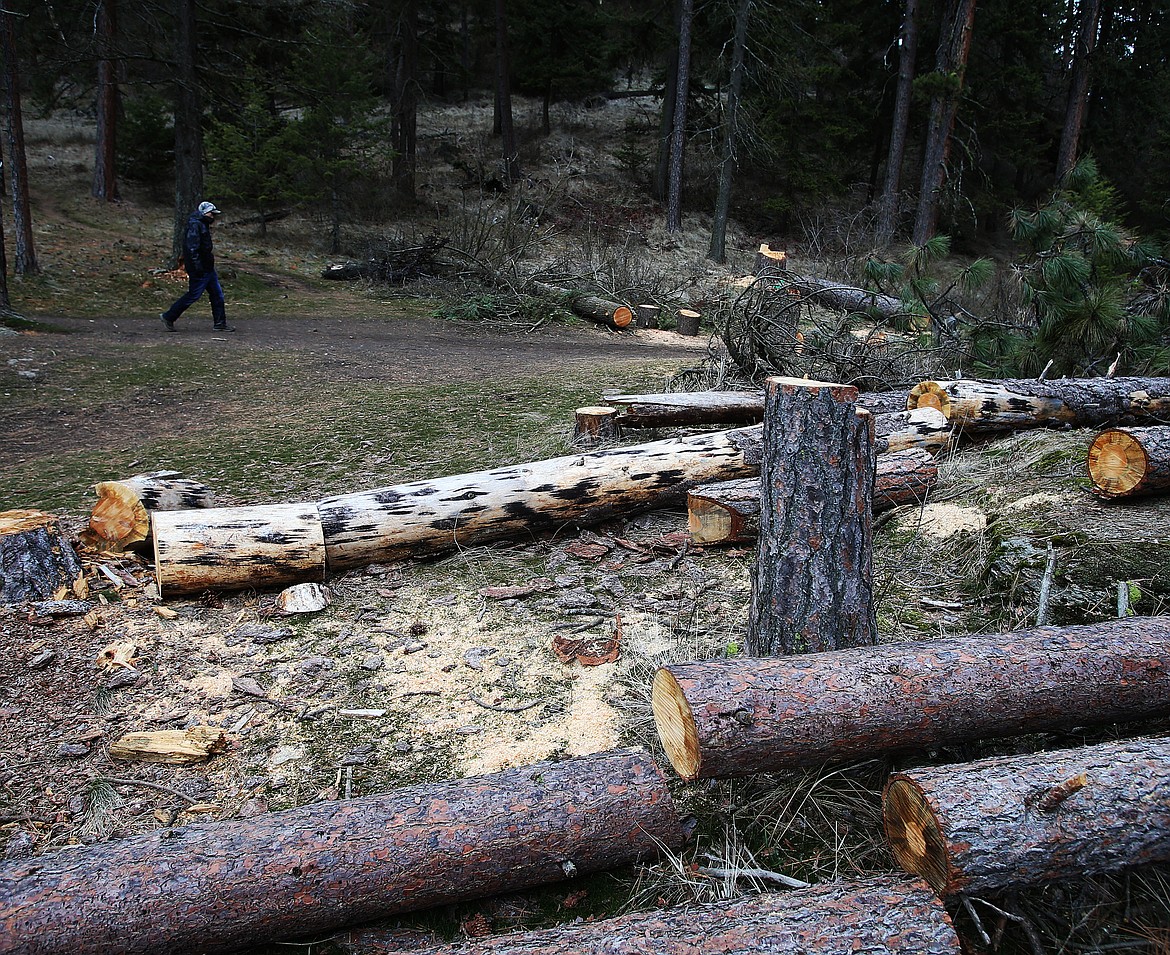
x,y
230,548
1131,461
120,517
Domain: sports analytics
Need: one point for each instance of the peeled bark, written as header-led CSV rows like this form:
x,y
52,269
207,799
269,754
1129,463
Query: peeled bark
x,y
35,559
886,914
426,517
229,548
739,716
729,512
215,888
1015,821
1130,462
121,516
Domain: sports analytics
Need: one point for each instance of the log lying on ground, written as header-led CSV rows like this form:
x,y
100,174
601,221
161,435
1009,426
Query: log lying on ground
x,y
36,561
1131,461
923,428
729,512
843,298
424,517
593,307
216,888
720,407
887,914
1015,821
121,516
735,717
983,405
229,548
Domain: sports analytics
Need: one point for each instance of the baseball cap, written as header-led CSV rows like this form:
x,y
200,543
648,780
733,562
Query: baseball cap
x,y
208,209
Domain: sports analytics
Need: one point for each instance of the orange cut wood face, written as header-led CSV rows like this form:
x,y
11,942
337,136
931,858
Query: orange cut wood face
x,y
1117,462
19,521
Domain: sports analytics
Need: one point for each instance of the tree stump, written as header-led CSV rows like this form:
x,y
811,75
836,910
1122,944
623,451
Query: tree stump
x,y
646,315
687,321
595,425
36,561
770,260
1132,461
813,583
1014,821
121,516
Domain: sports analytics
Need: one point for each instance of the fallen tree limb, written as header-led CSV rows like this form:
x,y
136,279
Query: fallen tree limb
x,y
747,715
216,888
1131,461
1016,821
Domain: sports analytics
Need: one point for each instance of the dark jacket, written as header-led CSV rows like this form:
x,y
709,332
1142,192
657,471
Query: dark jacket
x,y
197,255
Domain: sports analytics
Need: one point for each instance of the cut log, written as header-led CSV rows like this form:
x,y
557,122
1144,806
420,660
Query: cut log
x,y
687,321
813,582
887,914
218,888
1131,461
425,517
229,548
36,561
729,512
979,405
1017,821
647,316
593,307
675,408
121,516
924,428
844,298
770,260
595,424
740,716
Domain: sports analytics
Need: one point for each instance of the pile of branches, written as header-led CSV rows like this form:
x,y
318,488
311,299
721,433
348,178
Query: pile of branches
x,y
395,267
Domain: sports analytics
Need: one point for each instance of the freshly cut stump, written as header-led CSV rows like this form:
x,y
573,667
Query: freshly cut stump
x,y
595,424
35,559
1130,461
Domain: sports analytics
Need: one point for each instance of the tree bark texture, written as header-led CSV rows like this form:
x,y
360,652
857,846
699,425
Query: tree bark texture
x,y
593,307
879,916
1078,89
843,298
907,63
729,512
924,428
406,101
188,125
511,152
770,261
229,548
1015,821
813,583
105,153
120,518
678,132
594,425
424,517
738,716
1131,461
35,559
718,249
16,172
215,888
975,405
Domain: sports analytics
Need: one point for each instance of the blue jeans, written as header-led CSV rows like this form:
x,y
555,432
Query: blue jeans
x,y
196,285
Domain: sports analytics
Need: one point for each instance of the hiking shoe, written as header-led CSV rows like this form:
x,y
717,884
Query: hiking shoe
x,y
169,322
223,328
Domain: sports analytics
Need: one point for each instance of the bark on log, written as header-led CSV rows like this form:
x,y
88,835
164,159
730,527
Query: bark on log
x,y
886,914
1131,461
721,407
687,321
121,516
218,887
647,316
740,716
593,307
230,548
1017,821
980,405
813,583
844,298
35,559
424,517
594,424
924,428
729,512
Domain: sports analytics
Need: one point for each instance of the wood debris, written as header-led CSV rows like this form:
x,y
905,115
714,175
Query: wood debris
x,y
193,745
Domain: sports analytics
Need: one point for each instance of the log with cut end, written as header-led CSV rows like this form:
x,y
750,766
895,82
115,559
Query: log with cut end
x,y
121,516
670,409
229,548
593,307
595,424
1015,821
770,260
1126,462
845,298
989,405
424,517
886,913
36,561
687,321
647,315
729,512
217,888
735,717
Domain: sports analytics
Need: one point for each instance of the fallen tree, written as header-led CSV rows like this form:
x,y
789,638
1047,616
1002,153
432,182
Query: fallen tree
x,y
120,517
1132,461
36,561
587,305
396,267
1014,821
670,409
218,887
747,715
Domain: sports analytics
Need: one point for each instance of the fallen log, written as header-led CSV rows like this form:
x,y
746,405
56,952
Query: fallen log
x,y
1015,821
674,408
923,428
121,516
229,548
424,517
216,888
593,307
729,512
886,914
983,405
1132,461
733,717
841,297
36,561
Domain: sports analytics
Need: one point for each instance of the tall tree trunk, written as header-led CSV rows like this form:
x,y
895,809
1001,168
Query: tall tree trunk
x,y
907,57
678,131
660,183
1078,93
105,166
406,101
504,96
26,256
5,302
954,44
188,126
718,251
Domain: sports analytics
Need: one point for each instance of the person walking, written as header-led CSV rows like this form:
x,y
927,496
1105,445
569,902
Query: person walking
x,y
199,260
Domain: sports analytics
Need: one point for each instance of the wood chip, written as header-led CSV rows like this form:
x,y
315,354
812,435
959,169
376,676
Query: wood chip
x,y
194,745
117,655
303,598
